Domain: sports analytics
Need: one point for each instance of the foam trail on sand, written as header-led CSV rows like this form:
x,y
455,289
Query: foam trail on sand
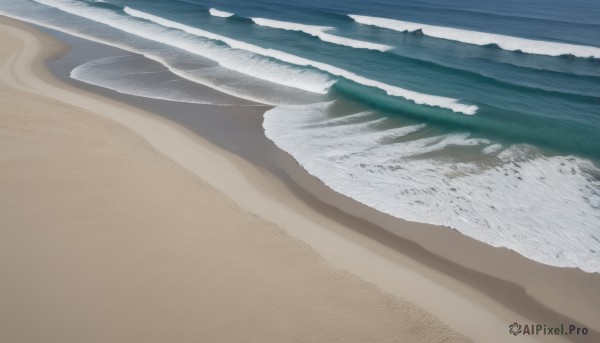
x,y
508,43
320,32
416,97
124,74
217,13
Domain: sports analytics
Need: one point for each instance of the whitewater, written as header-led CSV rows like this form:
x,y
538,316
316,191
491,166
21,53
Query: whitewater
x,y
217,13
494,199
321,33
508,43
418,98
311,30
262,69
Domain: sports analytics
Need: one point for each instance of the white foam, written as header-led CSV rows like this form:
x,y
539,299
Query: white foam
x,y
248,64
252,65
492,148
508,43
239,61
207,80
217,13
418,98
494,198
320,32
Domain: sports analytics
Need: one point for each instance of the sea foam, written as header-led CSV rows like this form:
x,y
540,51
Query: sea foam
x,y
300,81
321,33
217,13
236,60
416,97
494,198
251,65
508,43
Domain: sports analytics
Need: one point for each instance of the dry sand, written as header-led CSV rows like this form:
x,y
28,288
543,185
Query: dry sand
x,y
105,239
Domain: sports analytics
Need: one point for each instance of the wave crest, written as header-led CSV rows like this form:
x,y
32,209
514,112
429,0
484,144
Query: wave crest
x,y
217,13
320,32
508,43
253,64
418,98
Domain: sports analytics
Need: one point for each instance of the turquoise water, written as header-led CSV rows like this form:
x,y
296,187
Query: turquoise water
x,y
474,115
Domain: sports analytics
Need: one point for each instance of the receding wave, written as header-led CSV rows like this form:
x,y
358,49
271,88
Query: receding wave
x,y
126,75
508,43
321,33
418,98
217,13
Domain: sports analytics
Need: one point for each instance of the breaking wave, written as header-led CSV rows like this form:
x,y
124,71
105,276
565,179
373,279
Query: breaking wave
x,y
508,43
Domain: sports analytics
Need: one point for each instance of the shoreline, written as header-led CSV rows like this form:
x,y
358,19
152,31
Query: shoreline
x,y
491,286
443,254
105,238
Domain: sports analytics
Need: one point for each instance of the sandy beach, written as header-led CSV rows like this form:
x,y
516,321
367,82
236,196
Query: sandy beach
x,y
121,225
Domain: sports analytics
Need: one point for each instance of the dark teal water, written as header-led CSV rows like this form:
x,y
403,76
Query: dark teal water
x,y
548,101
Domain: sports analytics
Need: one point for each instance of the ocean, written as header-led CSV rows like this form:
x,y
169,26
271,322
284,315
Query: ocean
x,y
481,116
